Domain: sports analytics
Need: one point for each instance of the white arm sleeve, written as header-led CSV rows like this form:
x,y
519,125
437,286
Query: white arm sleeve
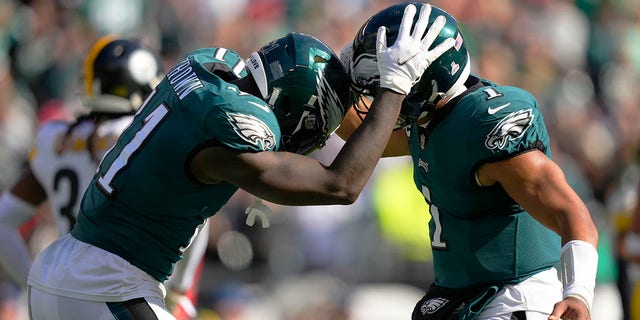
x,y
579,266
14,254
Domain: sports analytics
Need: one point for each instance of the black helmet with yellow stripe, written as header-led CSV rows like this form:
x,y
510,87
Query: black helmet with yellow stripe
x,y
119,74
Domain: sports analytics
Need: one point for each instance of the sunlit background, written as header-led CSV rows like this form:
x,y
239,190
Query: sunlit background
x,y
369,260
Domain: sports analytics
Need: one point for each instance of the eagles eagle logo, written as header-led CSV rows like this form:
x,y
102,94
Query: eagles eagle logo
x,y
432,305
252,130
510,127
364,71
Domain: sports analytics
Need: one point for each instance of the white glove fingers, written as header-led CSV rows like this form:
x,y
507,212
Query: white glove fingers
x,y
442,48
423,21
381,43
407,21
433,32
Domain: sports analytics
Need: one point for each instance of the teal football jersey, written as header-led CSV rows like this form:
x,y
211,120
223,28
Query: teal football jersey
x,y
479,234
143,204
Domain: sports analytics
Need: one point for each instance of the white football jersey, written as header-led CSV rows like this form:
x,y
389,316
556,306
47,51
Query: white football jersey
x,y
65,168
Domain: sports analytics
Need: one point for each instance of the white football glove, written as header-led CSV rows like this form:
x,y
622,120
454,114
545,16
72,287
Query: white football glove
x,y
402,64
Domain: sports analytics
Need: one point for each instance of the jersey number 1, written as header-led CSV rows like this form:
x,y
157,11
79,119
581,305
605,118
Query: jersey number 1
x,y
436,238
149,124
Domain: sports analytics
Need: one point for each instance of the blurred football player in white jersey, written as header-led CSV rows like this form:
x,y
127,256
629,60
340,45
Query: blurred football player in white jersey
x,y
118,74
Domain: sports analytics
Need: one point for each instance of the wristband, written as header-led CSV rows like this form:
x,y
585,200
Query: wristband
x,y
579,261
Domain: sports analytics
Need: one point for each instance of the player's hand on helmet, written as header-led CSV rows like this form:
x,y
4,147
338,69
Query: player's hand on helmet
x,y
402,64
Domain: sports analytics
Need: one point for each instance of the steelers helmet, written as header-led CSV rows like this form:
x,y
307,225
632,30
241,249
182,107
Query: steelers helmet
x,y
304,82
119,74
442,77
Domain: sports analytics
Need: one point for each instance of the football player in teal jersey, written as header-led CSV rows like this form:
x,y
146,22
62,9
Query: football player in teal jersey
x,y
216,123
510,238
118,73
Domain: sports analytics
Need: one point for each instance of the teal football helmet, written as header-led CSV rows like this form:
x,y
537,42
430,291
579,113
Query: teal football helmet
x,y
443,77
304,82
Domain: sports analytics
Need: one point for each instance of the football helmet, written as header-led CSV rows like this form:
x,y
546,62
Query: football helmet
x,y
119,74
304,82
442,78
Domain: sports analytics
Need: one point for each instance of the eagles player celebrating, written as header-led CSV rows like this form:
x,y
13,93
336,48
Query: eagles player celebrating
x,y
214,124
504,221
118,74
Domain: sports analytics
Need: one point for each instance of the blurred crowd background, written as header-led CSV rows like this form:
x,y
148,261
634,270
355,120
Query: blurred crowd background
x,y
369,260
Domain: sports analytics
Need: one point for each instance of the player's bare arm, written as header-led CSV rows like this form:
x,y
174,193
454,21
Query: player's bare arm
x,y
397,145
538,184
292,179
29,189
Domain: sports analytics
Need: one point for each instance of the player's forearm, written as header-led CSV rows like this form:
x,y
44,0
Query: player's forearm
x,y
29,189
360,154
396,146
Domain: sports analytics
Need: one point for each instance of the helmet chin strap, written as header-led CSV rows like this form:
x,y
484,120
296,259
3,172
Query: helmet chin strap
x,y
456,92
435,98
438,99
459,86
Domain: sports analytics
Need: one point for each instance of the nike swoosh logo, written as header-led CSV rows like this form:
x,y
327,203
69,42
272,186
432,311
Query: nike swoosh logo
x,y
401,63
496,109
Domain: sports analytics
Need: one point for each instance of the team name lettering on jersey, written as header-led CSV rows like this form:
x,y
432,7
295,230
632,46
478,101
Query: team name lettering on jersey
x,y
183,79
